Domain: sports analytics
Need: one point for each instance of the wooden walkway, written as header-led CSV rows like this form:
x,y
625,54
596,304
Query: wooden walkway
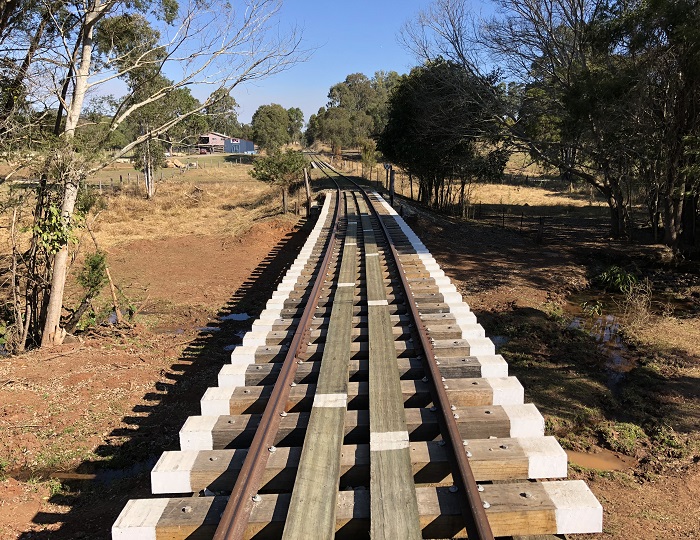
x,y
361,444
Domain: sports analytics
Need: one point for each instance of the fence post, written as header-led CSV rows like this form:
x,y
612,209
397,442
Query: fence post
x,y
308,191
391,187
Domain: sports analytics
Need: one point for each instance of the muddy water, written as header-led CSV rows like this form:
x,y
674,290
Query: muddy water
x,y
605,329
603,460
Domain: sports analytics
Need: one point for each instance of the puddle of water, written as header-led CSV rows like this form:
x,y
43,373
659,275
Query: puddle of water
x,y
235,317
606,331
604,460
209,329
499,341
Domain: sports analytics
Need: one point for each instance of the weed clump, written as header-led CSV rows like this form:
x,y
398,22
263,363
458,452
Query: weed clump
x,y
616,279
623,437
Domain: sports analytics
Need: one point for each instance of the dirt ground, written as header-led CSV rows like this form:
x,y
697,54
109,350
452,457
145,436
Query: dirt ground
x,y
82,426
117,398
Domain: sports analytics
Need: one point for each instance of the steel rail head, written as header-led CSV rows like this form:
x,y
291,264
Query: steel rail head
x,y
478,526
236,515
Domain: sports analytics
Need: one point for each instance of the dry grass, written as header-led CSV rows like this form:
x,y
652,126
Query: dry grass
x,y
184,208
673,333
213,168
520,163
532,196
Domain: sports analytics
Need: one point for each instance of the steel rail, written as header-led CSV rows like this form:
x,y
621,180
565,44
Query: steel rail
x,y
478,526
236,515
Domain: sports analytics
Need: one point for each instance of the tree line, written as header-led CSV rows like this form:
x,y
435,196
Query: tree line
x,y
603,92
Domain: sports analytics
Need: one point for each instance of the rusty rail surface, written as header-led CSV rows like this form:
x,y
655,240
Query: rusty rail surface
x,y
237,513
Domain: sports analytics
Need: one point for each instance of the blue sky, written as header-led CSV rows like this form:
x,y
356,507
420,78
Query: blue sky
x,y
350,37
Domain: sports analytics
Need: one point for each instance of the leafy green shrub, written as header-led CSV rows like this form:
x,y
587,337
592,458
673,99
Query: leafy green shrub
x,y
592,308
616,279
93,275
667,440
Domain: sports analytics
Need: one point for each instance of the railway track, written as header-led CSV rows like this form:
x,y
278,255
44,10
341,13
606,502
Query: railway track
x,y
365,401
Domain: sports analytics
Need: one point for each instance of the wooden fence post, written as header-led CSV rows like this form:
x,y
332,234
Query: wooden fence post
x,y
308,191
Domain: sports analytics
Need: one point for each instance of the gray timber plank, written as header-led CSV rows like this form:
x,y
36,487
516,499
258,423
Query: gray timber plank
x,y
313,503
548,508
408,368
394,506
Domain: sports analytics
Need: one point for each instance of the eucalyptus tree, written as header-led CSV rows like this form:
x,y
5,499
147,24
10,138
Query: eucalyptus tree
x,y
221,115
357,109
159,48
270,125
296,123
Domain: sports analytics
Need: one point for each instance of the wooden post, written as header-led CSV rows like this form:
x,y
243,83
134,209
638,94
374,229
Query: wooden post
x,y
391,186
308,191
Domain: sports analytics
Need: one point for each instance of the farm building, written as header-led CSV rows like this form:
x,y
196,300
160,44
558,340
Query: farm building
x,y
211,142
238,146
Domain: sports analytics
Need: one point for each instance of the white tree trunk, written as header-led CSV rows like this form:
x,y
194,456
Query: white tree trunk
x,y
53,333
82,73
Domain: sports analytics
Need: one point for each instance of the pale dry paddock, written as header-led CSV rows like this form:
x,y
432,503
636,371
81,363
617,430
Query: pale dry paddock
x,y
500,194
180,208
530,195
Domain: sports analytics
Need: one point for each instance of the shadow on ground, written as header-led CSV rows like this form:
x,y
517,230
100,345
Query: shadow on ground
x,y
87,509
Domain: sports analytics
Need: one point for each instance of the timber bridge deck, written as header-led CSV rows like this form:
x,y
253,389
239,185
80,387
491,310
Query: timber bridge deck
x,y
366,401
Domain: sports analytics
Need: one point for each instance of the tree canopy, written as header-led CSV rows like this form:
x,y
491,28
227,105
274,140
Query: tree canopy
x,y
441,126
604,91
357,110
273,126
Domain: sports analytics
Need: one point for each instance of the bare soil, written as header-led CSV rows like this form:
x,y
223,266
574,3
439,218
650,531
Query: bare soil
x,y
83,425
80,427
